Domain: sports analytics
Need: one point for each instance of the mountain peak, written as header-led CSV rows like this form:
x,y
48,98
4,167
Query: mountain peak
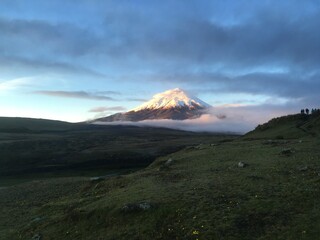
x,y
172,104
173,98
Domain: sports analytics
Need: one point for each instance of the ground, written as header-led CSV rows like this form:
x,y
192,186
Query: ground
x,y
201,193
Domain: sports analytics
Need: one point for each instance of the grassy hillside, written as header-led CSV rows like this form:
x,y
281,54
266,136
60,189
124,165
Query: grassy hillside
x,y
10,124
199,192
46,147
289,127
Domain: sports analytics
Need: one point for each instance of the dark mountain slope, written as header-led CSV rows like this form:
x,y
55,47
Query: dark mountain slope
x,y
41,146
17,124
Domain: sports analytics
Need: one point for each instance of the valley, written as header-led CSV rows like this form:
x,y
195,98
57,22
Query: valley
x,y
197,192
43,148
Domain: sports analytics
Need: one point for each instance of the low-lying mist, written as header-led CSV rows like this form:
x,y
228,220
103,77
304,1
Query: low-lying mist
x,y
222,120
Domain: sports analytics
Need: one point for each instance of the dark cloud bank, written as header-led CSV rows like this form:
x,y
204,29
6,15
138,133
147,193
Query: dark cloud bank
x,y
269,48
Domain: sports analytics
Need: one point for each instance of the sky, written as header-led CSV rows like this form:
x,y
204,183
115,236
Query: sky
x,y
79,59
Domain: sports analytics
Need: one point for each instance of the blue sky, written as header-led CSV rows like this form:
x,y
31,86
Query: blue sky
x,y
76,60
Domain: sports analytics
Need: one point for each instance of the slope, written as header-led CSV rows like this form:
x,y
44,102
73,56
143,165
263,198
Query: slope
x,y
288,127
197,193
172,104
37,147
15,124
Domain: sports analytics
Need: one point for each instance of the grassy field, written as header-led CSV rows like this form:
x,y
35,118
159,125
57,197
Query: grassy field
x,y
198,192
42,147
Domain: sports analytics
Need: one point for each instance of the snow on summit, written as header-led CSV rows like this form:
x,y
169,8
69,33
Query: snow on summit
x,y
172,104
172,99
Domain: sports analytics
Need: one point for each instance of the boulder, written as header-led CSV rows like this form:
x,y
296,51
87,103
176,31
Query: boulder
x,y
166,164
287,151
303,168
97,179
37,237
135,207
242,164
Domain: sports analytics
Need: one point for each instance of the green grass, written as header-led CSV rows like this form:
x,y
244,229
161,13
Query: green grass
x,y
202,194
288,127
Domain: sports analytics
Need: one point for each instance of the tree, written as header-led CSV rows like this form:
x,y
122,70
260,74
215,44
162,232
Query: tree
x,y
302,111
307,111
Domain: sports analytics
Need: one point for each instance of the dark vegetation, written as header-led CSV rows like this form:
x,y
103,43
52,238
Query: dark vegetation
x,y
198,192
35,146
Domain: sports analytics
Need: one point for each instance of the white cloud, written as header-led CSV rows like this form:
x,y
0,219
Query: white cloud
x,y
15,84
235,120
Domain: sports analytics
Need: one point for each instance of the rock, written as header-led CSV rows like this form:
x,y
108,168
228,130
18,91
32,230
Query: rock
x,y
37,219
37,237
168,162
166,165
199,147
242,164
287,152
303,168
97,179
144,206
135,207
101,178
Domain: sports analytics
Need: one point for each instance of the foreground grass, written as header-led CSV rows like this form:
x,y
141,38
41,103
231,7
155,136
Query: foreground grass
x,y
201,194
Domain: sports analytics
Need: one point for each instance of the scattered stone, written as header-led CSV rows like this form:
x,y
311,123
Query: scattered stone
x,y
272,141
134,207
303,168
287,152
199,147
166,165
97,179
168,162
37,237
242,164
104,177
144,206
37,219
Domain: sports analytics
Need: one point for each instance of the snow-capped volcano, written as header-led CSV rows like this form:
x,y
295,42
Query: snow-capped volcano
x,y
173,98
171,104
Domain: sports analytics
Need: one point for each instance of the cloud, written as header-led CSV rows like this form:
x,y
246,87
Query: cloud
x,y
74,94
136,99
22,66
206,123
58,38
227,119
16,83
210,47
109,92
105,109
283,85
